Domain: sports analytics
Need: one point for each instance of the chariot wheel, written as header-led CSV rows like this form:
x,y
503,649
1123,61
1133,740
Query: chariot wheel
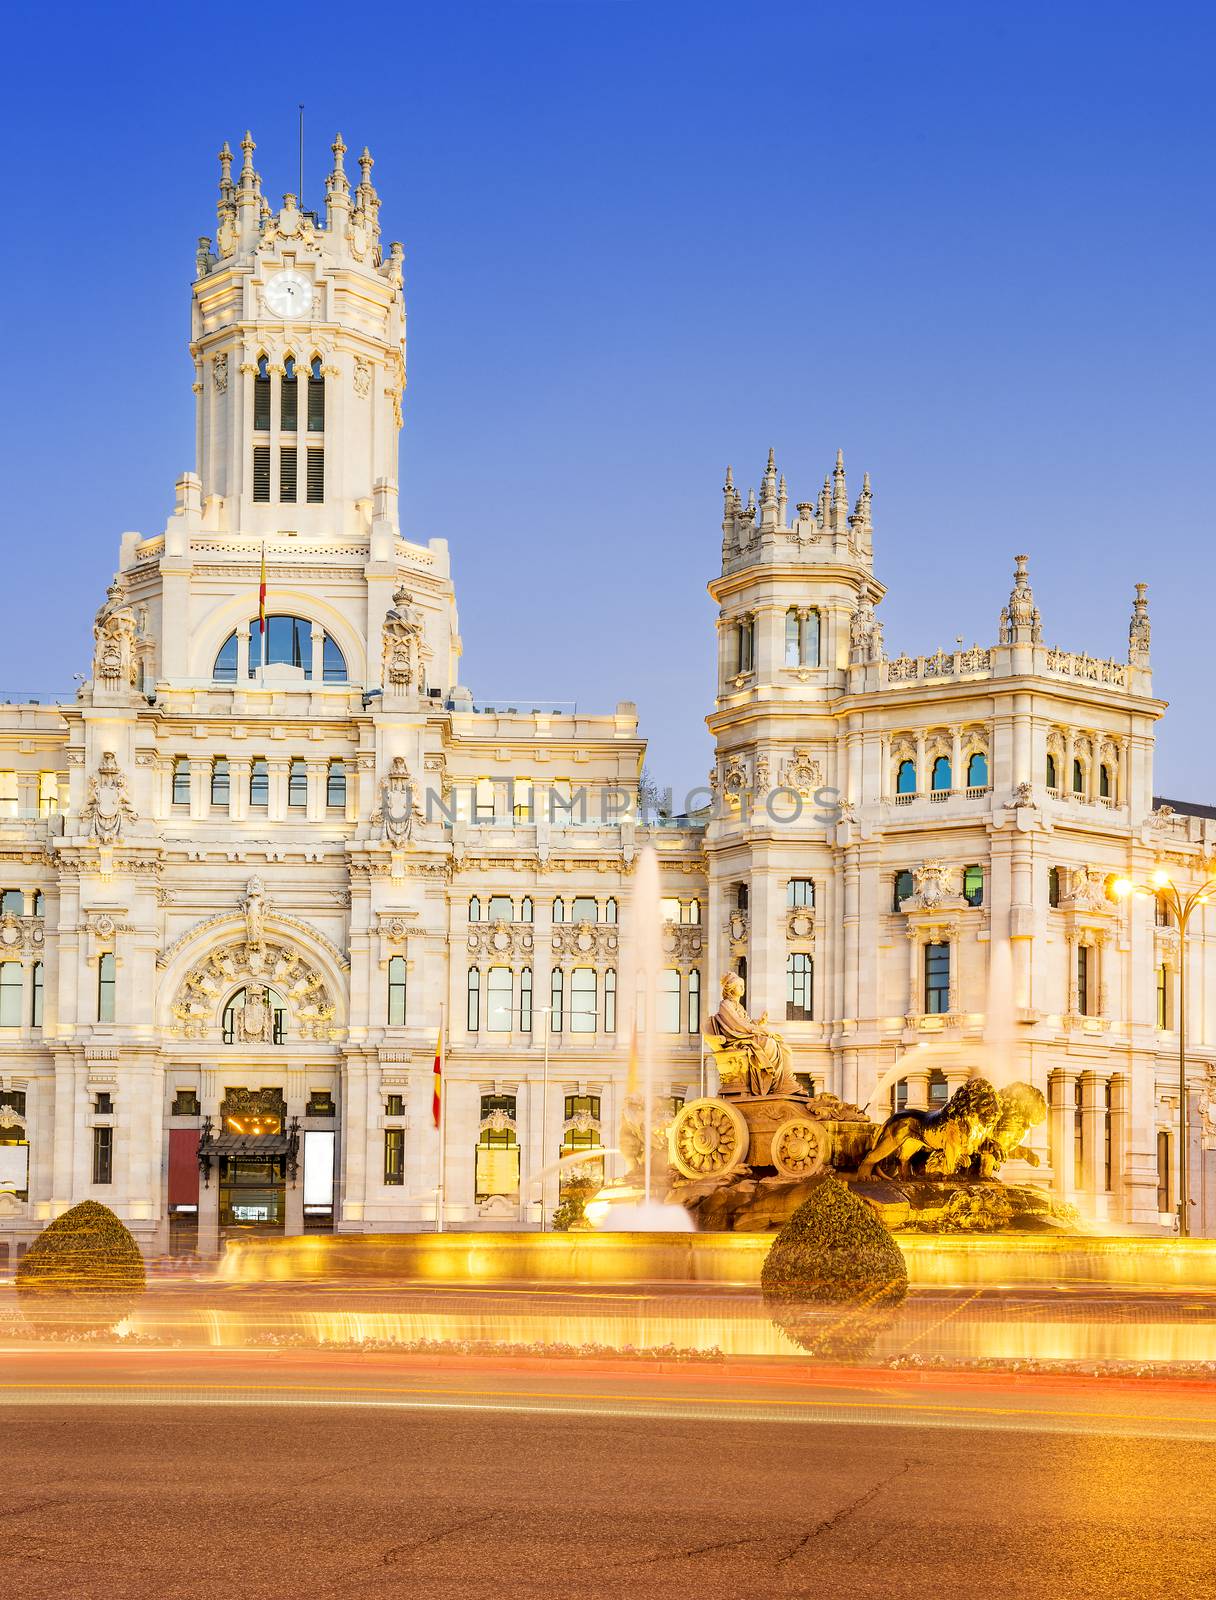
x,y
708,1139
800,1148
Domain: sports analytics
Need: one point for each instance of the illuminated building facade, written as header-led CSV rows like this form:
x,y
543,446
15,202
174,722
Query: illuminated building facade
x,y
251,873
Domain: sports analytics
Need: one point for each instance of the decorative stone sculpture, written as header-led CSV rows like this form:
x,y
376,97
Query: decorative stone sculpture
x,y
865,631
402,650
1139,631
114,632
107,807
957,1131
398,811
253,904
770,1066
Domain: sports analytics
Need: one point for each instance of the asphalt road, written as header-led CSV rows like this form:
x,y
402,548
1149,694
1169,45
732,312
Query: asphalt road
x,y
306,1502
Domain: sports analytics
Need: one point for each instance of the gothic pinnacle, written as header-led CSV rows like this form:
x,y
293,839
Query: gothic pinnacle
x,y
247,147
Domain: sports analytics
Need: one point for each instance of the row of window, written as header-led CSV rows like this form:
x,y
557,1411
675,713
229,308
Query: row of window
x,y
13,902
581,1000
11,983
582,908
285,641
903,886
803,633
48,794
259,782
289,422
941,774
1105,777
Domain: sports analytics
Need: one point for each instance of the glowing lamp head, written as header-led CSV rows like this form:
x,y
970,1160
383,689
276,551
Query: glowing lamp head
x,y
1122,887
1161,879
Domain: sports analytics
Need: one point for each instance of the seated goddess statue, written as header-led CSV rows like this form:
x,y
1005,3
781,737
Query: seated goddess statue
x,y
770,1066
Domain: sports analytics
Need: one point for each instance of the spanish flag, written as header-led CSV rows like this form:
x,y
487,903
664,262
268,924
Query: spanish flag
x,y
262,596
437,1091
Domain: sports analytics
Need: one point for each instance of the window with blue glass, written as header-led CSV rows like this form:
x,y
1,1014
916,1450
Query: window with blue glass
x,y
288,643
977,771
942,777
937,978
905,778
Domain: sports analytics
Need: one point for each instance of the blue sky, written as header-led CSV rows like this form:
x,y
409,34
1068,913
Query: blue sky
x,y
970,245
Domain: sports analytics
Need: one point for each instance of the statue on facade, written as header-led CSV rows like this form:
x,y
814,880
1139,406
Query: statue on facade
x,y
1139,631
770,1066
865,630
253,904
253,1018
107,807
402,649
398,812
114,633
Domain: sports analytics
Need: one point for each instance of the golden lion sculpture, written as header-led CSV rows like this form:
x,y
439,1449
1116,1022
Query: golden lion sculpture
x,y
955,1133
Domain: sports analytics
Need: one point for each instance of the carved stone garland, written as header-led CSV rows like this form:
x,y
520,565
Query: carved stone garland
x,y
205,987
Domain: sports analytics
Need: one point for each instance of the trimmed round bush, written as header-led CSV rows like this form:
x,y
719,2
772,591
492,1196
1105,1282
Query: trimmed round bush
x,y
833,1274
84,1269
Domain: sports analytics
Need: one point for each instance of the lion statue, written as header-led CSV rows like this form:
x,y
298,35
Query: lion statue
x,y
1022,1108
952,1136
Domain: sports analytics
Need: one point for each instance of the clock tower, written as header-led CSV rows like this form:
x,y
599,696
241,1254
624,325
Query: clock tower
x,y
298,340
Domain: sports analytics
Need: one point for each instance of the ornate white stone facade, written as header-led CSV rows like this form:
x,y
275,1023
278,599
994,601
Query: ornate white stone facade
x,y
249,877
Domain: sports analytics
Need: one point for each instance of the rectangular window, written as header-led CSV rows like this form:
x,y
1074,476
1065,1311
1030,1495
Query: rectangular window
x,y
1083,979
105,987
10,994
1053,886
584,909
1163,997
799,982
394,1157
500,909
103,1155
1108,1155
973,885
36,996
8,794
181,781
316,399
669,909
259,783
937,979
316,477
394,1105
48,793
555,1001
800,892
297,784
694,1001
219,782
261,398
185,1103
289,408
584,999
521,800
483,800
1164,1185
287,474
335,786
667,1000
902,889
396,992
525,1000
320,1104
1078,1135
473,1001
498,1000
261,472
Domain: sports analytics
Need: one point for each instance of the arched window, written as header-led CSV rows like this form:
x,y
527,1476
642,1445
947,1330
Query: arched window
x,y
1053,781
902,887
335,786
977,770
525,909
745,633
396,992
473,996
475,909
694,912
610,1000
259,782
181,781
501,909
224,670
276,1010
1104,781
694,1001
525,1000
499,1009
584,909
39,903
668,1000
810,638
105,987
261,396
287,642
792,640
555,1000
583,999
610,909
1078,778
297,783
905,778
219,782
316,397
941,777
289,393
799,997
10,994
559,910
12,903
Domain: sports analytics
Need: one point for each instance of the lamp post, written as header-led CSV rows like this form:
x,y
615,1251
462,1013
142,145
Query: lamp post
x,y
1162,887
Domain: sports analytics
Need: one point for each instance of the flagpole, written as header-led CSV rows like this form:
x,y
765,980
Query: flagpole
x,y
440,1194
262,622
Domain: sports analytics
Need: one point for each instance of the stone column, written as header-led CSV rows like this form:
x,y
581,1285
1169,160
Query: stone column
x,y
238,788
276,771
1093,1122
242,655
1120,1136
200,788
918,1090
318,772
920,763
958,778
1062,1104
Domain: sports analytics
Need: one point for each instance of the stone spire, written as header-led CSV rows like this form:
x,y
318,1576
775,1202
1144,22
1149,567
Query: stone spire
x,y
840,495
1020,619
1139,631
249,203
367,201
768,493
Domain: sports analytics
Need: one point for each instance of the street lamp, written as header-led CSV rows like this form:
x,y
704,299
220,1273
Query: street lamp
x,y
1162,887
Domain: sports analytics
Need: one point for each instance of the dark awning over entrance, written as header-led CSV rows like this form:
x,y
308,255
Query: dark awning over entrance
x,y
258,1145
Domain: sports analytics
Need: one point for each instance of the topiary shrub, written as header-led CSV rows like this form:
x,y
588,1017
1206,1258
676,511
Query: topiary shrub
x,y
84,1270
833,1274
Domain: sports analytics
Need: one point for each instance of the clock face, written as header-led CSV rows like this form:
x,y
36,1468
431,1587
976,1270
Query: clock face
x,y
288,294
